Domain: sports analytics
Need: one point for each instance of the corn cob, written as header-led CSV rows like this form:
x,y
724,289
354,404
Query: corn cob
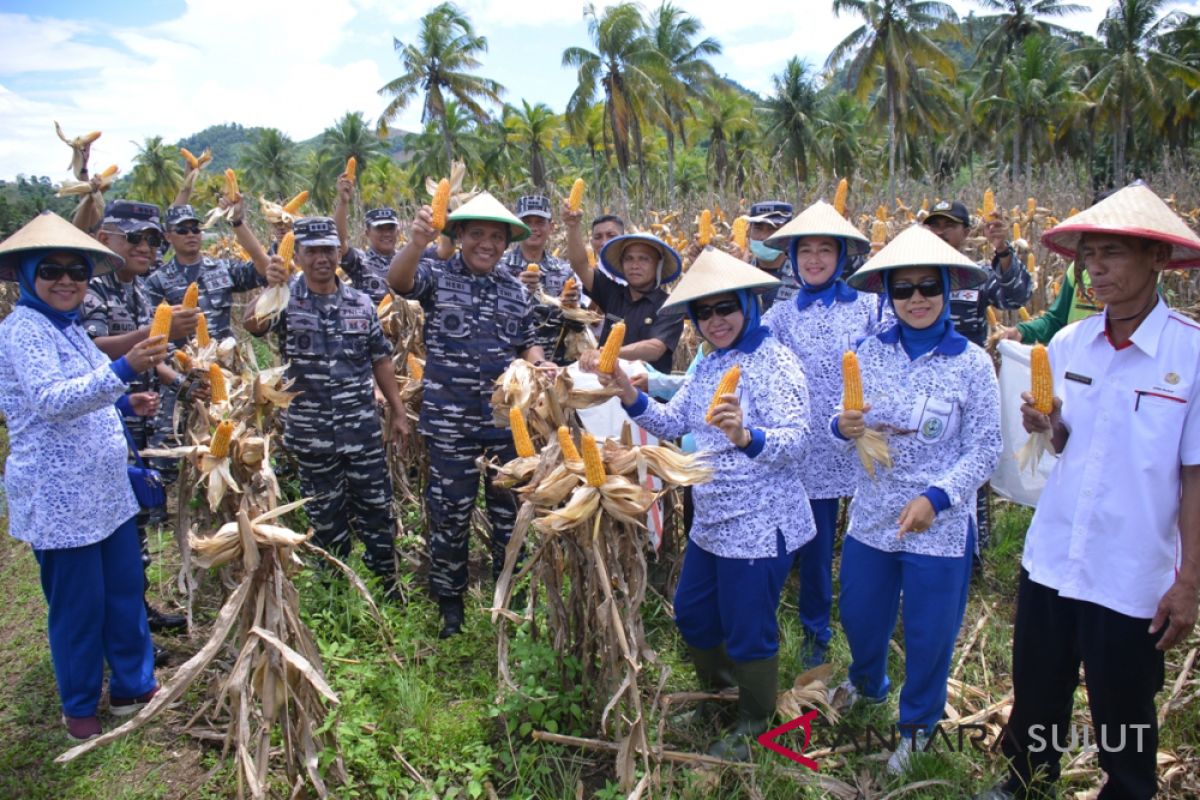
x,y
575,199
108,172
520,433
218,393
1073,211
219,446
593,465
294,205
441,204
1016,231
231,186
881,214
878,232
612,348
591,257
192,161
416,370
993,320
534,268
706,231
852,389
989,204
567,444
88,138
202,337
1031,263
568,287
1042,381
840,196
191,296
741,227
1023,313
384,305
1031,206
351,168
287,249
161,326
183,360
727,385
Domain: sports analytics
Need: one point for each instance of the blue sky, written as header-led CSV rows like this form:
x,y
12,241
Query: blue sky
x,y
136,69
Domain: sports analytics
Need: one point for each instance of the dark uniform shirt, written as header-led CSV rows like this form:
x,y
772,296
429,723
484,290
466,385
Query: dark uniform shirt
x,y
331,343
642,317
788,285
554,273
475,325
113,308
218,279
968,307
368,271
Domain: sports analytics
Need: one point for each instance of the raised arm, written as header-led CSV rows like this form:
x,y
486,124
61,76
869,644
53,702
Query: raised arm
x,y
402,273
341,211
245,237
576,249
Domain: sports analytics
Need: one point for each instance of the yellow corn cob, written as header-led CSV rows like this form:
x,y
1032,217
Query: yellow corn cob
x,y
567,444
575,199
1031,262
741,227
351,168
88,138
294,205
728,385
219,446
231,186
705,232
161,326
109,171
520,433
441,204
591,257
287,249
191,296
881,214
183,360
878,232
1031,206
202,337
593,465
840,196
852,389
1016,231
1073,211
612,347
1042,386
384,305
192,161
218,392
1023,313
416,370
534,268
993,320
989,204
568,287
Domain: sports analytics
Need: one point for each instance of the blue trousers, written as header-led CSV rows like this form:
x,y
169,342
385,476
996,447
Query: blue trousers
x,y
732,601
935,598
816,573
97,614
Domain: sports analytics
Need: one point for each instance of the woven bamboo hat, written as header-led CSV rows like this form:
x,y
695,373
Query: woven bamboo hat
x,y
1133,211
48,231
917,246
717,272
487,208
821,219
668,269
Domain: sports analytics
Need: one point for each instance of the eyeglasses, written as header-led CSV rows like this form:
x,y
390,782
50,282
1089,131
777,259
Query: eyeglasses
x,y
903,291
152,238
724,308
187,230
49,271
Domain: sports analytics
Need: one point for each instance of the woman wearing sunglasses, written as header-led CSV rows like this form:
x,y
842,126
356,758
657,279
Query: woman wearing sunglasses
x,y
68,490
936,398
752,517
823,320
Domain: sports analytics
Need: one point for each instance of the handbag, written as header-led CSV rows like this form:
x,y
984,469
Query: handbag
x,y
147,483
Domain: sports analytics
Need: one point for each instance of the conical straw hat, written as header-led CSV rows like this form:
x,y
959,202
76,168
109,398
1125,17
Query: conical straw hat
x,y
485,207
48,231
821,219
610,255
717,272
1133,211
917,246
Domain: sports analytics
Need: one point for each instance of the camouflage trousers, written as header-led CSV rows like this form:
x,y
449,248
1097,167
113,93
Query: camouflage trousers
x,y
453,488
351,491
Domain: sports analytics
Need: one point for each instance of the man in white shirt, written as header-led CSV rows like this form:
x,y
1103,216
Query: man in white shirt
x,y
1111,571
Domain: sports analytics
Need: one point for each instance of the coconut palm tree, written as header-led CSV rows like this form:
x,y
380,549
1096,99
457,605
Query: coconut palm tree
x,y
1016,20
533,129
157,172
438,64
838,133
350,136
427,155
272,165
790,114
726,113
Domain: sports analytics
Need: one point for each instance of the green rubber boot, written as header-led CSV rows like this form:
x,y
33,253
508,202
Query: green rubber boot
x,y
714,673
758,687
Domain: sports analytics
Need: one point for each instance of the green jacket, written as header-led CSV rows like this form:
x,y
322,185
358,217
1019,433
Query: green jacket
x,y
1069,306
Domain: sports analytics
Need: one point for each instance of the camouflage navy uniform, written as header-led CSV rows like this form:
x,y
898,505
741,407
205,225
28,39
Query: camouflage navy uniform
x,y
553,274
330,343
366,268
475,325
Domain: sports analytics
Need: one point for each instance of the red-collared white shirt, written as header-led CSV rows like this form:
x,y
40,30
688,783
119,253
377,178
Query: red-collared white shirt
x,y
1106,529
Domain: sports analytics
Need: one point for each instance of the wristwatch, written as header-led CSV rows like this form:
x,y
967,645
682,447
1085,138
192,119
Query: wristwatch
x,y
237,223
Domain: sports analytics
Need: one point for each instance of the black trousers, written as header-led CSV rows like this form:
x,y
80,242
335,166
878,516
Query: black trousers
x,y
1052,637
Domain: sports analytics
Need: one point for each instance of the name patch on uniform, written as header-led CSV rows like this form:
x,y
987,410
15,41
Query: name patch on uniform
x,y
217,279
356,324
1075,376
969,295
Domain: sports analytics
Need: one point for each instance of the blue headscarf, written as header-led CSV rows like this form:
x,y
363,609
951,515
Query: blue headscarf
x,y
27,274
940,336
753,332
834,290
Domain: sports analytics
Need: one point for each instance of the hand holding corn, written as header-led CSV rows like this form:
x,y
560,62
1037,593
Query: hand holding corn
x,y
147,353
616,378
421,232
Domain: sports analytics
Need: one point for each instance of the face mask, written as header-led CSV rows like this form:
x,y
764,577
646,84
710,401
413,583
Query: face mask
x,y
762,252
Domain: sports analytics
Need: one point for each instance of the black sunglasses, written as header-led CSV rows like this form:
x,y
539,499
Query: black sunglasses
x,y
49,271
185,230
722,309
903,291
152,238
